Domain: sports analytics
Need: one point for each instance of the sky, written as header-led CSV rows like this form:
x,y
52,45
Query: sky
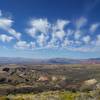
x,y
50,28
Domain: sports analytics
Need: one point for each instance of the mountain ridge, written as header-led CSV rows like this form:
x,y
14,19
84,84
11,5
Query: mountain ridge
x,y
19,60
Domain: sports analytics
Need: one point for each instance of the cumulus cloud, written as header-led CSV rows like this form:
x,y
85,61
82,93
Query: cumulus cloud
x,y
58,34
60,24
38,25
67,42
52,43
98,37
81,22
58,28
32,45
69,32
6,24
5,38
22,45
97,41
0,13
86,39
41,39
47,34
43,26
94,27
55,34
17,35
77,34
25,45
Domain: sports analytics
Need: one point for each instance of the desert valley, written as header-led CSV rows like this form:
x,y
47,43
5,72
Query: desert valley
x,y
38,79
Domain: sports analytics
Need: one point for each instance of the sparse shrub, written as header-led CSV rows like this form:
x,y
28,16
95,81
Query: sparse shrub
x,y
6,69
86,88
2,80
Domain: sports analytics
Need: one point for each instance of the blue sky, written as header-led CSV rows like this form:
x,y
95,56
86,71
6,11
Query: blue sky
x,y
50,28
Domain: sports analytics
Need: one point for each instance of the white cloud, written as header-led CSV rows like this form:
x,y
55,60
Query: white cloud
x,y
59,34
41,25
60,24
51,35
41,39
58,28
42,30
22,45
78,42
56,34
77,34
44,27
67,42
0,13
25,45
86,39
17,35
81,22
98,37
5,38
38,25
69,32
94,27
32,45
31,31
6,24
52,43
97,42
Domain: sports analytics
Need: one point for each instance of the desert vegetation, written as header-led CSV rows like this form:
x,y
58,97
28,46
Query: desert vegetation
x,y
50,82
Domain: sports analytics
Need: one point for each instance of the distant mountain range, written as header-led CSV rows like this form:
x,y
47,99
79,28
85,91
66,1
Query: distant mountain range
x,y
8,60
